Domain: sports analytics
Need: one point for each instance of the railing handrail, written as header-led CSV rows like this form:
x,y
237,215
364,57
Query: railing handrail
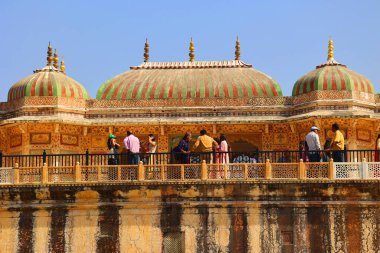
x,y
191,172
279,156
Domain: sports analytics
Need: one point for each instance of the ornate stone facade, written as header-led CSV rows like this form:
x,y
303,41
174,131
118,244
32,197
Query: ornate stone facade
x,y
61,125
168,99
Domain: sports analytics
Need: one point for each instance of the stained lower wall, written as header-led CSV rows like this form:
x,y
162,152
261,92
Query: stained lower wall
x,y
229,217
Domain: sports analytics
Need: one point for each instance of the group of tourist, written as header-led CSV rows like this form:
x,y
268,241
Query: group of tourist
x,y
132,146
211,150
216,150
333,148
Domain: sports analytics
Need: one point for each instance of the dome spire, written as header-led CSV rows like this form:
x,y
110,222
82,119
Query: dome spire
x,y
62,67
146,51
55,59
330,54
49,57
191,49
237,49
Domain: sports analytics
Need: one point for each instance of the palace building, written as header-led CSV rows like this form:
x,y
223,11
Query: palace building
x,y
48,110
264,206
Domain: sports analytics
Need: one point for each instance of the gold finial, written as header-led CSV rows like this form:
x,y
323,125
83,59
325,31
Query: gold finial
x,y
237,49
62,67
55,59
49,57
330,54
191,49
146,51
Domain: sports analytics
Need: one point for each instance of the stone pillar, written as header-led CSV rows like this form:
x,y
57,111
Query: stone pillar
x,y
270,232
337,238
82,230
370,229
300,244
41,224
254,227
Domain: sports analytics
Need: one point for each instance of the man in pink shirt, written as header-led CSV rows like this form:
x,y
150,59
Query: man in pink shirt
x,y
132,145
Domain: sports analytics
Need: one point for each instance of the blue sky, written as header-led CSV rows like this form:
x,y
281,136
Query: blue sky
x,y
101,39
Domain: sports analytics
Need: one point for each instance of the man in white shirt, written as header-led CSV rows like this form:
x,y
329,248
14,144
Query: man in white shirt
x,y
312,140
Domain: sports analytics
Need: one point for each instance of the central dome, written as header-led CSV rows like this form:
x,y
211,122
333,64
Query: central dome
x,y
188,80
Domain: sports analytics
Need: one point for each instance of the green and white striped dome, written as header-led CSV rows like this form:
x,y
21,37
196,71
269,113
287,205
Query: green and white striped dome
x,y
188,80
47,82
332,76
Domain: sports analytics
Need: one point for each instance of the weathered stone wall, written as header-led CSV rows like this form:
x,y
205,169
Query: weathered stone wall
x,y
261,216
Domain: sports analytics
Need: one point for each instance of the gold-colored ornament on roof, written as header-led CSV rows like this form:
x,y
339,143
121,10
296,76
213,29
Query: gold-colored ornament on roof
x,y
191,49
55,59
237,49
146,51
49,57
62,67
330,54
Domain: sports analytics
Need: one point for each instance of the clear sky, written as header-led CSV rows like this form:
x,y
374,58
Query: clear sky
x,y
101,39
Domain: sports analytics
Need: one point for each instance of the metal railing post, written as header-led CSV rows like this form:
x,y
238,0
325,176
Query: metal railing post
x,y
44,157
87,157
268,169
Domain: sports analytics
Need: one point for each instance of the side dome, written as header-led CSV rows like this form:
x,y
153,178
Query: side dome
x,y
332,76
48,81
189,80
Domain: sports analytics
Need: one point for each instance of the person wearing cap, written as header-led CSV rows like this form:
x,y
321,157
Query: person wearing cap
x,y
113,146
312,140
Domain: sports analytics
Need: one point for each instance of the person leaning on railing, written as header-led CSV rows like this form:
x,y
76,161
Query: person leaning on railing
x,y
205,144
224,150
312,140
132,145
337,144
182,151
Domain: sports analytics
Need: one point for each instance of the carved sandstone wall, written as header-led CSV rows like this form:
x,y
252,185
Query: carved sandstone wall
x,y
275,216
60,138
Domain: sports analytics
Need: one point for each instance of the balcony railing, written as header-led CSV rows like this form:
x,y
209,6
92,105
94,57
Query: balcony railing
x,y
202,172
175,158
